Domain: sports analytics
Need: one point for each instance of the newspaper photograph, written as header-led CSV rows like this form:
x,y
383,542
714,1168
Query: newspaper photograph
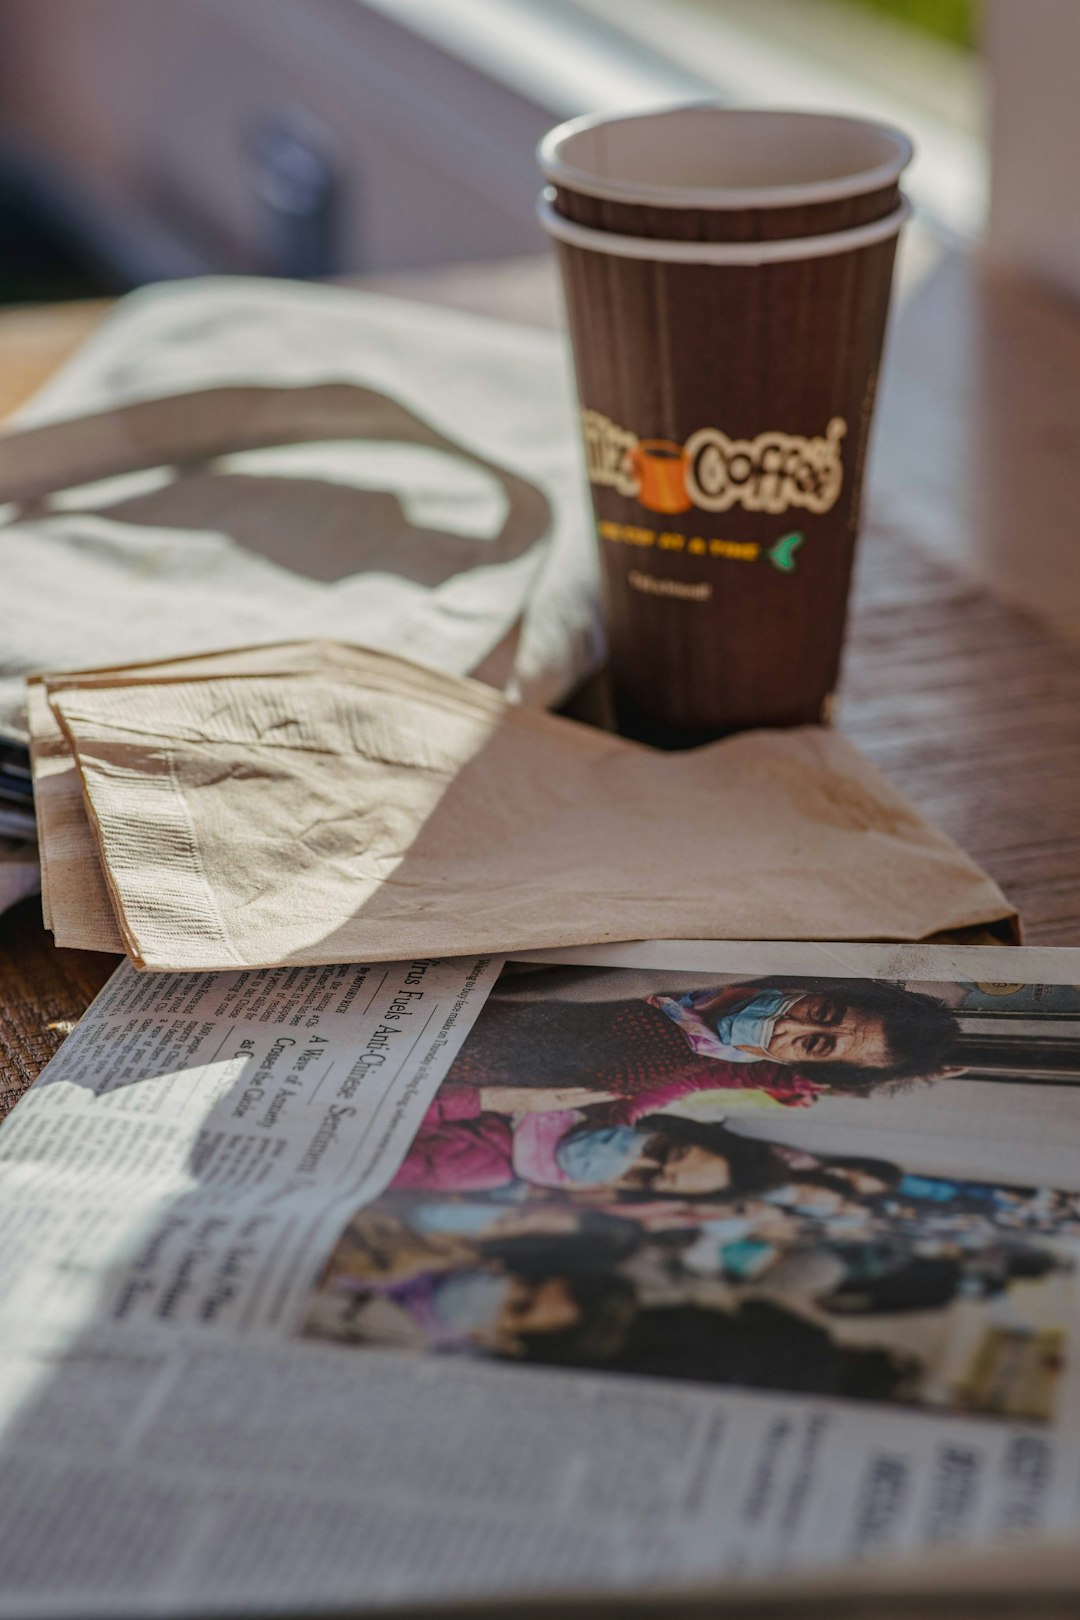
x,y
586,1271
584,1190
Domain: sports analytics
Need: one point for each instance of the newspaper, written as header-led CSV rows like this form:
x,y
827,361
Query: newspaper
x,y
609,1271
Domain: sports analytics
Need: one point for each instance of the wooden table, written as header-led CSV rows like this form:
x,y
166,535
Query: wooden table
x,y
972,709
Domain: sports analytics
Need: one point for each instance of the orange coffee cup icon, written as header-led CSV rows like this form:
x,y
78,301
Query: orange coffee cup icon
x,y
659,466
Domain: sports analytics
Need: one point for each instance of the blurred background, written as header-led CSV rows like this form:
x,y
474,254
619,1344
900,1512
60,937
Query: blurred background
x,y
390,141
141,141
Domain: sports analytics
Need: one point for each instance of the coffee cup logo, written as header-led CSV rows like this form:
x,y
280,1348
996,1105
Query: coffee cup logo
x,y
660,467
769,473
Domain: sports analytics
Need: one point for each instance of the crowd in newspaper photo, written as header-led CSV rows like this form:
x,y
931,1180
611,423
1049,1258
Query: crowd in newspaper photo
x,y
598,1183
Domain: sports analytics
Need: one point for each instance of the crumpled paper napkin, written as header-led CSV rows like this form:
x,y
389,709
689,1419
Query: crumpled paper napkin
x,y
75,900
346,805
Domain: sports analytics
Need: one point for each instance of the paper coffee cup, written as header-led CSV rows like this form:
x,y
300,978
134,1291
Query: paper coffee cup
x,y
727,390
703,172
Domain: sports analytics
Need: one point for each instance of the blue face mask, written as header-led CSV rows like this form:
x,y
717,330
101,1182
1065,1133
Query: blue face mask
x,y
469,1302
595,1157
753,1025
468,1218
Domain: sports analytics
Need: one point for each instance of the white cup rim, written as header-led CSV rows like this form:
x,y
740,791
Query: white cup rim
x,y
864,182
657,250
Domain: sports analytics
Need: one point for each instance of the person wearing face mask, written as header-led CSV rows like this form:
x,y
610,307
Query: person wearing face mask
x,y
741,1034
661,1156
526,1314
784,1042
460,1147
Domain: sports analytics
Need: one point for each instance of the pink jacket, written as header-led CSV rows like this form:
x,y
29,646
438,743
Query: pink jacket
x,y
791,1089
457,1148
460,1149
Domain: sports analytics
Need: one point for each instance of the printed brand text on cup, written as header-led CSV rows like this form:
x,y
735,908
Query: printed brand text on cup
x,y
769,473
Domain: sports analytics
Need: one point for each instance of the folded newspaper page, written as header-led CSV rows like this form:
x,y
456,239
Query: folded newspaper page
x,y
615,1271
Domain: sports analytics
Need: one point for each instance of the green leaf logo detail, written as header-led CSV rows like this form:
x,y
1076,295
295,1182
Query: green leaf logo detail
x,y
782,554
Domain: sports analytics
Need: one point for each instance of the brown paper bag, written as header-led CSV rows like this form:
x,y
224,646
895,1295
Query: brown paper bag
x,y
378,811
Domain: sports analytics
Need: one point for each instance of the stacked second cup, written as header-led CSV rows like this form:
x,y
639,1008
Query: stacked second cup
x,y
727,277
